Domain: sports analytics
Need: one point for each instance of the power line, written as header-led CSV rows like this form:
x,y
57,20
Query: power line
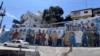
x,y
86,4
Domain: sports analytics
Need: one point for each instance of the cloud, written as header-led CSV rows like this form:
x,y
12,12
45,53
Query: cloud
x,y
10,15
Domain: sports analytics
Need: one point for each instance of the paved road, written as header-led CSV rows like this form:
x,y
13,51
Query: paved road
x,y
57,51
13,48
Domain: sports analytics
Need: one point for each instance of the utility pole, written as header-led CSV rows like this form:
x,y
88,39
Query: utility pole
x,y
2,14
3,29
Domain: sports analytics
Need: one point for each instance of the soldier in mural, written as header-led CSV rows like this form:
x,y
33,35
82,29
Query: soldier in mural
x,y
90,35
96,40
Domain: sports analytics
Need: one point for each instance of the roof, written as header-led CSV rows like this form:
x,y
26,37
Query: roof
x,y
87,9
96,8
82,9
32,15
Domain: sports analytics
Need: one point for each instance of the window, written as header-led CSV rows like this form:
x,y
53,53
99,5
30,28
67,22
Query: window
x,y
85,11
76,13
35,20
41,22
13,41
98,12
17,41
34,25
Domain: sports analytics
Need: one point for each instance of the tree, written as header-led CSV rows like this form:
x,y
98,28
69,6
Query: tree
x,y
68,18
53,14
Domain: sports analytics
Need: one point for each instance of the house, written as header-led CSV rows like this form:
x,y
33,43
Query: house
x,y
96,12
85,13
81,14
32,19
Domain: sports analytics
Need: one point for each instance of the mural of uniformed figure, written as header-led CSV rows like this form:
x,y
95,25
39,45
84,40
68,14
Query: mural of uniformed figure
x,y
43,38
23,36
37,38
72,39
47,38
15,34
96,40
59,40
20,34
90,35
67,38
33,37
84,39
28,35
54,38
50,38
78,37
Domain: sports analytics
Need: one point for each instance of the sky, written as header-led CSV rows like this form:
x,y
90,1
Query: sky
x,y
15,8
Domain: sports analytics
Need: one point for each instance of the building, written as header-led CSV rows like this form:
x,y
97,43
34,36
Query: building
x,y
96,12
81,14
32,20
85,13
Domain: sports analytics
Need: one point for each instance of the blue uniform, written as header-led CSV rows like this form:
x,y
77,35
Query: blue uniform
x,y
84,40
72,39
